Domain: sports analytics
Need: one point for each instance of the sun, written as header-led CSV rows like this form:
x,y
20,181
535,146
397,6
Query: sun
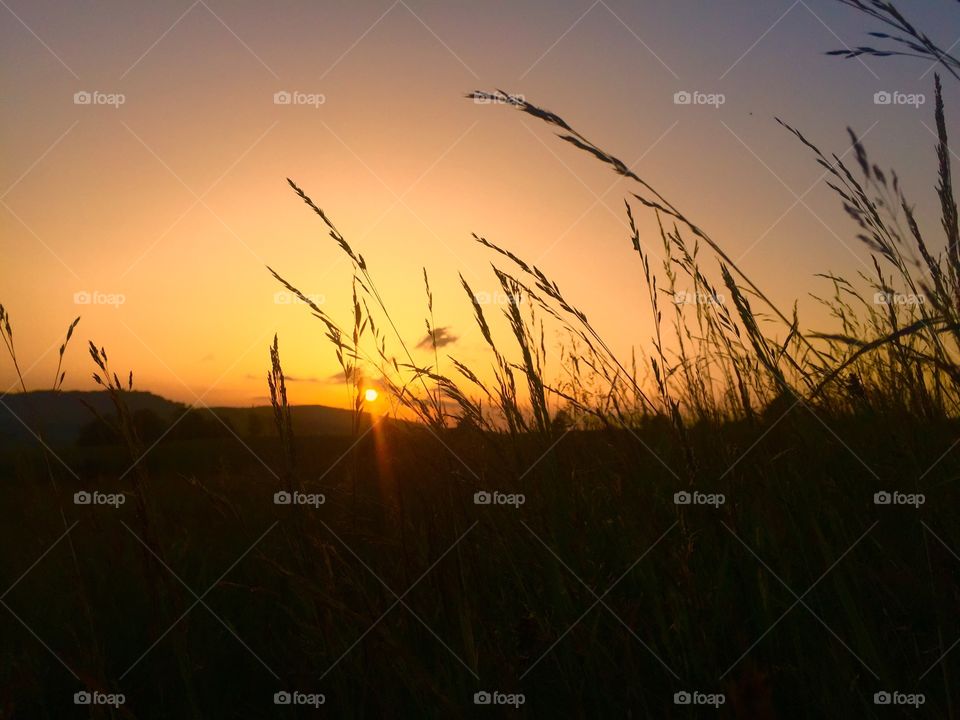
x,y
370,395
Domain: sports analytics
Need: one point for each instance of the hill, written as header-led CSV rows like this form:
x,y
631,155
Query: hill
x,y
62,416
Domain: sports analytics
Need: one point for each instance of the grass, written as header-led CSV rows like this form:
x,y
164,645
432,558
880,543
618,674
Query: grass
x,y
599,595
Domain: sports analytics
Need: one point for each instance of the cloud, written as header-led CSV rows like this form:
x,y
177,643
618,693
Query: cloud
x,y
338,378
288,378
362,380
442,336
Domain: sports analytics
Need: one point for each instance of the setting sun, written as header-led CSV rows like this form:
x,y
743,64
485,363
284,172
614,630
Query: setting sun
x,y
370,395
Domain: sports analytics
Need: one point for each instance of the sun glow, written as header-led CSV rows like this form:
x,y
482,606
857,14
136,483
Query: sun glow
x,y
370,395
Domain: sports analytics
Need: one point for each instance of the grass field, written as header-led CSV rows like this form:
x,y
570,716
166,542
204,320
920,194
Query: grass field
x,y
797,597
749,519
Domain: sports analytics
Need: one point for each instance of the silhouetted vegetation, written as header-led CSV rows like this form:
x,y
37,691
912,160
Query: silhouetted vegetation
x,y
751,506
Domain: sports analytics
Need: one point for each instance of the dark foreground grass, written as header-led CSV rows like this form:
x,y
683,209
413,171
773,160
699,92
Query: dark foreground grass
x,y
597,597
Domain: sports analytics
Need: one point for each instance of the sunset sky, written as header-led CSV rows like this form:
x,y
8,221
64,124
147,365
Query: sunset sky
x,y
175,200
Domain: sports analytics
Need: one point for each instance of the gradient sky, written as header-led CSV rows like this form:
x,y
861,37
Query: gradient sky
x,y
177,199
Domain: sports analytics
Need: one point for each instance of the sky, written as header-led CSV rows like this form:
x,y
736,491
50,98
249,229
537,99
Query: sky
x,y
145,150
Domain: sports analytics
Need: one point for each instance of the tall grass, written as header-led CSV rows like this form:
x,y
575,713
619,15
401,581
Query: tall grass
x,y
711,366
601,596
713,359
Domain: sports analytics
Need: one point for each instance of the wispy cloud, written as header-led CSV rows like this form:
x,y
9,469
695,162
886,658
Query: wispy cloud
x,y
441,337
293,378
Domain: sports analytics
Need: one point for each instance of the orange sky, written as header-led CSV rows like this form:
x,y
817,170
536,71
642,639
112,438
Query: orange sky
x,y
176,199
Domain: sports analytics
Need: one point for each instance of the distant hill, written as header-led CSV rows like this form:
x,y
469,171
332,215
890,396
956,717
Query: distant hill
x,y
307,420
62,416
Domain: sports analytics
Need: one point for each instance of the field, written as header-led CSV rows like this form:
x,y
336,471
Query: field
x,y
797,597
749,518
